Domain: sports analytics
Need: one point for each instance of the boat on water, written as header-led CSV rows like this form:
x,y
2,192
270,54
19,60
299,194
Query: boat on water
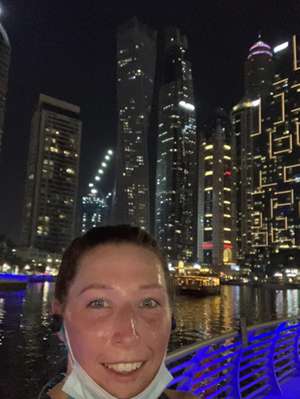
x,y
12,285
193,281
14,282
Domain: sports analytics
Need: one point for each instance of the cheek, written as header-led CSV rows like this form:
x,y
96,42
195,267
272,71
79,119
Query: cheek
x,y
156,328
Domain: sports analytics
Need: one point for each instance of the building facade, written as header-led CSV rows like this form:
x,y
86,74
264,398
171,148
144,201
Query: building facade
x,y
52,176
217,199
5,52
136,57
276,144
245,125
176,176
258,71
94,211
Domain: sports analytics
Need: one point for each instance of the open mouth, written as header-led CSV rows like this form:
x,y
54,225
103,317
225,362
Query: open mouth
x,y
124,368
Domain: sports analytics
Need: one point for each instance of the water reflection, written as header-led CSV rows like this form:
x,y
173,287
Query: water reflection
x,y
31,354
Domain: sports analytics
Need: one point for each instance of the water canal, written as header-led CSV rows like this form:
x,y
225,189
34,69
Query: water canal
x,y
30,354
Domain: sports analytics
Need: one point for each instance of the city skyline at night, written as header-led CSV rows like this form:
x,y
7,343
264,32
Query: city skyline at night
x,y
215,54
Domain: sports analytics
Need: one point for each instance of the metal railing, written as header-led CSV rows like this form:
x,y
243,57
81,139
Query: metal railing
x,y
251,363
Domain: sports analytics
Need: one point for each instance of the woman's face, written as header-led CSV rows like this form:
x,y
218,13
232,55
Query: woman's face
x,y
118,317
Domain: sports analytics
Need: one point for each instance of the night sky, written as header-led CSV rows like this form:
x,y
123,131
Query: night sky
x,y
66,49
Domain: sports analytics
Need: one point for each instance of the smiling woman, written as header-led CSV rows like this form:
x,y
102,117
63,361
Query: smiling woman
x,y
113,301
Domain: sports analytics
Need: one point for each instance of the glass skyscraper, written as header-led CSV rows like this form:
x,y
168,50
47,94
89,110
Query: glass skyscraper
x,y
176,172
245,124
217,194
136,61
276,196
94,211
52,176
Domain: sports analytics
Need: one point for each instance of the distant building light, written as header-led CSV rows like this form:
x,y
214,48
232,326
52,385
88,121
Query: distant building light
x,y
207,245
187,106
281,47
259,45
255,103
260,52
104,164
97,178
94,191
110,152
91,184
107,157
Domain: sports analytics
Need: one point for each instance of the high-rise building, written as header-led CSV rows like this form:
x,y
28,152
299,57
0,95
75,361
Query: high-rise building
x,y
244,118
96,206
276,149
94,211
52,176
245,125
217,198
5,51
176,175
136,56
258,70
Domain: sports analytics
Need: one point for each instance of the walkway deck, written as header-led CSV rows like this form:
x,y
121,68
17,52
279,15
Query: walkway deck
x,y
290,389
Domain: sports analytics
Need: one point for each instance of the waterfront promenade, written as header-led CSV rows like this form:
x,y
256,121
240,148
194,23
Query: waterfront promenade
x,y
290,390
258,362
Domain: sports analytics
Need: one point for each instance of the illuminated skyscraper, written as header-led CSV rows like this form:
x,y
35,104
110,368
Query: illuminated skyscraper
x,y
52,176
136,55
5,51
176,175
95,206
258,70
276,144
217,197
245,120
94,211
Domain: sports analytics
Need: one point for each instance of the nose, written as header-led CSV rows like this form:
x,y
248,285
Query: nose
x,y
125,328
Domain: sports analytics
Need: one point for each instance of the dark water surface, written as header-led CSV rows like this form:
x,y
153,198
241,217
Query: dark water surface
x,y
30,354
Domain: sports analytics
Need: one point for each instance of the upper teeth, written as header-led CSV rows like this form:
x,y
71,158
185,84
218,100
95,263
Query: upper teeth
x,y
124,367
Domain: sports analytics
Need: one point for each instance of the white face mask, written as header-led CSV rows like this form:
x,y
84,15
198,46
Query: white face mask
x,y
79,385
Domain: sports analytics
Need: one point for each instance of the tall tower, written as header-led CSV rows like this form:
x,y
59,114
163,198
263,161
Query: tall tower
x,y
52,176
136,55
258,70
245,124
217,199
5,51
176,194
276,196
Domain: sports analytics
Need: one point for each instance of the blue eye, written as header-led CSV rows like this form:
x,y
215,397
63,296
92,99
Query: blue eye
x,y
149,303
98,304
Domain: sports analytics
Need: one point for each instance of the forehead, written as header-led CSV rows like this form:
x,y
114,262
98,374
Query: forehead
x,y
128,263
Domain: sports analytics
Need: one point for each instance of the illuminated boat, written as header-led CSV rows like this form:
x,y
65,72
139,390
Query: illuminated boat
x,y
196,281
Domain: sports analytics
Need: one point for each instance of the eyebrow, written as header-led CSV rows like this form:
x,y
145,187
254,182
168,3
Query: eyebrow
x,y
95,286
151,286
